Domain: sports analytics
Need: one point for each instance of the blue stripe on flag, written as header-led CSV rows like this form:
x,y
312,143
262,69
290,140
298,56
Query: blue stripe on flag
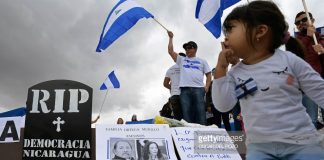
x,y
121,25
199,2
113,79
14,113
213,24
228,3
110,82
103,87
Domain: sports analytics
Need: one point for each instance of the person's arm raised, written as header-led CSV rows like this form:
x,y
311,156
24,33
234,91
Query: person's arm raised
x,y
172,53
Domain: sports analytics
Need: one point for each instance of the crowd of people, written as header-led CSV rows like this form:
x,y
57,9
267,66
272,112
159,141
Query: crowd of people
x,y
186,79
272,94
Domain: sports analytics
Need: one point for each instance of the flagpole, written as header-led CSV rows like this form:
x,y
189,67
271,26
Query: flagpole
x,y
95,121
310,22
102,103
160,24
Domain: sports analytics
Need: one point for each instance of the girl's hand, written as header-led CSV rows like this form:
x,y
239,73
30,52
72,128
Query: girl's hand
x,y
223,57
226,57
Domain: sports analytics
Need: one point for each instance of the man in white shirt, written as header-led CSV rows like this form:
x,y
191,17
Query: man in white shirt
x,y
171,82
192,87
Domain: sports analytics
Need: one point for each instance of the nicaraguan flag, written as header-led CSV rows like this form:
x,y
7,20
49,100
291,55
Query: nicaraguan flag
x,y
209,13
110,82
123,16
18,112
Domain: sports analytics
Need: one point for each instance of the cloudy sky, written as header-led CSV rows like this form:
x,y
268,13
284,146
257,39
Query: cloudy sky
x,y
56,39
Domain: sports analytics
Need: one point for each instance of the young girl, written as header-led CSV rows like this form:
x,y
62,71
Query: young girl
x,y
267,82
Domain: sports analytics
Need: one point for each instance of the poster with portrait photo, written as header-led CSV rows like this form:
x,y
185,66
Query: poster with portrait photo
x,y
122,148
112,140
152,149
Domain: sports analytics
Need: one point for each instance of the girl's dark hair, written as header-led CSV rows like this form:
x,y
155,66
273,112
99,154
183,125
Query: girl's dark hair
x,y
146,152
295,46
259,13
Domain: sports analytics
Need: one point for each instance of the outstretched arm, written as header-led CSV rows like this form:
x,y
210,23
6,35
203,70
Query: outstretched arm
x,y
170,47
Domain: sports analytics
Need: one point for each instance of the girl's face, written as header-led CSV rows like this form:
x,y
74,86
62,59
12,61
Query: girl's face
x,y
235,38
153,149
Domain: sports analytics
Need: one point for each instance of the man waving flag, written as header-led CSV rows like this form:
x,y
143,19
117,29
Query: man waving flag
x,y
123,16
209,13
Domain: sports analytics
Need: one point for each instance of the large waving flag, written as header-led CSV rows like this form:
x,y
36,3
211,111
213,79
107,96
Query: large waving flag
x,y
110,82
209,13
123,16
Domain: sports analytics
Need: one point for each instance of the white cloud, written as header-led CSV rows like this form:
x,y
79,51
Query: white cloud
x,y
56,39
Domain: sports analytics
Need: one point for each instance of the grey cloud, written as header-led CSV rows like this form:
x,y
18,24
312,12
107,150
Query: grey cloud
x,y
56,39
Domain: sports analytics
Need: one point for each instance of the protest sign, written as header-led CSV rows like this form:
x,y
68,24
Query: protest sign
x,y
135,139
205,143
58,121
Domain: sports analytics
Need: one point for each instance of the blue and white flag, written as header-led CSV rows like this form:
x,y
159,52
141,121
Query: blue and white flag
x,y
110,82
18,112
123,16
246,88
209,13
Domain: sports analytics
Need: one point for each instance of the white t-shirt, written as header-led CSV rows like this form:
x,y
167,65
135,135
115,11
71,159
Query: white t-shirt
x,y
174,74
192,71
274,112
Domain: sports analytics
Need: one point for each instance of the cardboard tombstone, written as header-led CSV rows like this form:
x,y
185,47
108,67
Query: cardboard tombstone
x,y
58,121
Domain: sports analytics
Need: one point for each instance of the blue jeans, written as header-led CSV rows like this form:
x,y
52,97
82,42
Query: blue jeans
x,y
284,151
193,104
311,108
